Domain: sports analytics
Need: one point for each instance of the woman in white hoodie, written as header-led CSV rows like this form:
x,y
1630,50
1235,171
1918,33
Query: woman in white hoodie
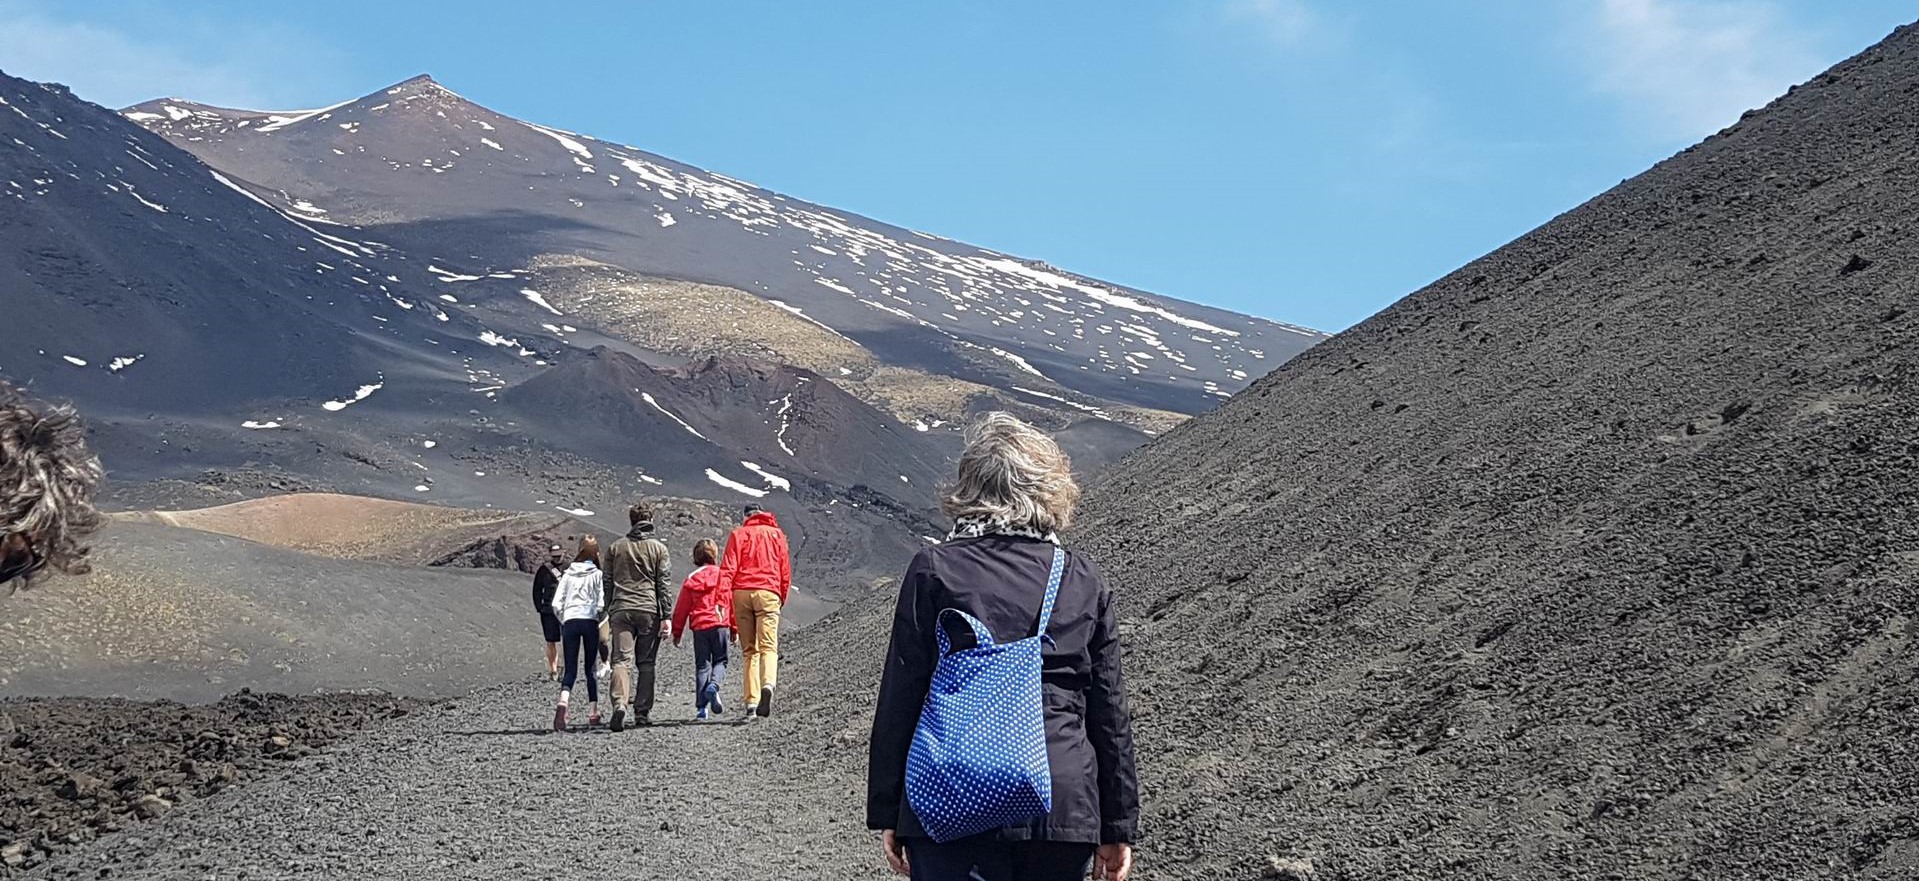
x,y
577,602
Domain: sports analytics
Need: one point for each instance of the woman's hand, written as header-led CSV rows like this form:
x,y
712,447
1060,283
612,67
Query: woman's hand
x,y
895,852
1114,862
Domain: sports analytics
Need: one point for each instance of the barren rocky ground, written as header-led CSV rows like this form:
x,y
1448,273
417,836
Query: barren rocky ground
x,y
477,786
74,769
1594,559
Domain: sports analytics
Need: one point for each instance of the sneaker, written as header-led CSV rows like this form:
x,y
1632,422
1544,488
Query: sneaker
x,y
559,717
713,700
643,722
605,671
752,712
619,718
701,715
766,702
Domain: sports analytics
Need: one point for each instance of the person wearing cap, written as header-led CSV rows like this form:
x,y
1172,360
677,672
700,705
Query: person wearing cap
x,y
757,571
545,579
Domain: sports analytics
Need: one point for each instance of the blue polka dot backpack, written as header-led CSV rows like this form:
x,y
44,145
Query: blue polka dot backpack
x,y
978,760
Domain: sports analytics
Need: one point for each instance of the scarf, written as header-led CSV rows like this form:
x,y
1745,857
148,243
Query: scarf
x,y
974,527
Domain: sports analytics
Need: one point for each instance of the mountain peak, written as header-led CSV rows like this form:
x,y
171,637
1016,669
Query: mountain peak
x,y
420,84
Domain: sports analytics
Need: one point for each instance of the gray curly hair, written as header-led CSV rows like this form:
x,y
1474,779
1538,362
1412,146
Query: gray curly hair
x,y
47,481
1014,474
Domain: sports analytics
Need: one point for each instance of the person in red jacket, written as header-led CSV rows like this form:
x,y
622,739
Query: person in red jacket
x,y
709,610
757,571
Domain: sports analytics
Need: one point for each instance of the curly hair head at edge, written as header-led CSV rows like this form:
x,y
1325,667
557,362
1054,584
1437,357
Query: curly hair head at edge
x,y
48,477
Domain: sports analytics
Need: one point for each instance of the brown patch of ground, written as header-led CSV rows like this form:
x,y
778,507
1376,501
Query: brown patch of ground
x,y
347,527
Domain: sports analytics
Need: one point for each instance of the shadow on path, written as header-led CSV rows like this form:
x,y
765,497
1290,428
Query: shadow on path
x,y
537,732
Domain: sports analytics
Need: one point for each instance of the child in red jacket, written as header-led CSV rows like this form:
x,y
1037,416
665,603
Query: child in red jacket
x,y
709,610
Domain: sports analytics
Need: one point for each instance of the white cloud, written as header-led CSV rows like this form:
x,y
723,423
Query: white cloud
x,y
1687,68
1287,22
235,64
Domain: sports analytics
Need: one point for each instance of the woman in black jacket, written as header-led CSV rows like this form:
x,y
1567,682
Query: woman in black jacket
x,y
545,581
1014,491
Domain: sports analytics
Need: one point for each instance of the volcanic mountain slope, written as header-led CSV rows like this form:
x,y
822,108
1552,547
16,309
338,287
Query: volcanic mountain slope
x,y
1597,558
136,275
211,338
609,398
479,191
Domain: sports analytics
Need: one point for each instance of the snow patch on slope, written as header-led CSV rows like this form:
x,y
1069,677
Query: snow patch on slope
x,y
360,394
773,480
1055,280
572,146
734,485
648,398
539,300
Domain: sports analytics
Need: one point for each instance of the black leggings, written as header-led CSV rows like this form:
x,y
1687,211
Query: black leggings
x,y
982,858
575,635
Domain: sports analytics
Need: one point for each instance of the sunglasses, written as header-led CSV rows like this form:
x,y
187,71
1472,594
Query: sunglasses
x,y
18,559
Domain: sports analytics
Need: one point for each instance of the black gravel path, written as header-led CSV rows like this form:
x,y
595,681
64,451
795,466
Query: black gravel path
x,y
477,788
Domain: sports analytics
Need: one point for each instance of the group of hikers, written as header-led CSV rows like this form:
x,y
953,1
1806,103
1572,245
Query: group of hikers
x,y
613,605
1002,745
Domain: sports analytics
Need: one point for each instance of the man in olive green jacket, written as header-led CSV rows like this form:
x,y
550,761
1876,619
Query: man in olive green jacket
x,y
638,612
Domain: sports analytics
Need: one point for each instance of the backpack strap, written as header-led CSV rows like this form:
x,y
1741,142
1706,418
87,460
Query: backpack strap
x,y
1052,589
981,636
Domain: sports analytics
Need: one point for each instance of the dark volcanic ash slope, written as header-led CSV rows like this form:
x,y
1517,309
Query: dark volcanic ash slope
x,y
196,326
444,177
1597,558
132,274
750,427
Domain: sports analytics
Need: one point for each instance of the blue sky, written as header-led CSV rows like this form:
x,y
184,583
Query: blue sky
x,y
1306,160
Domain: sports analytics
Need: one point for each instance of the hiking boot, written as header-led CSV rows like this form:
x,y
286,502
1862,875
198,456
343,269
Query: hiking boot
x,y
619,718
766,702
